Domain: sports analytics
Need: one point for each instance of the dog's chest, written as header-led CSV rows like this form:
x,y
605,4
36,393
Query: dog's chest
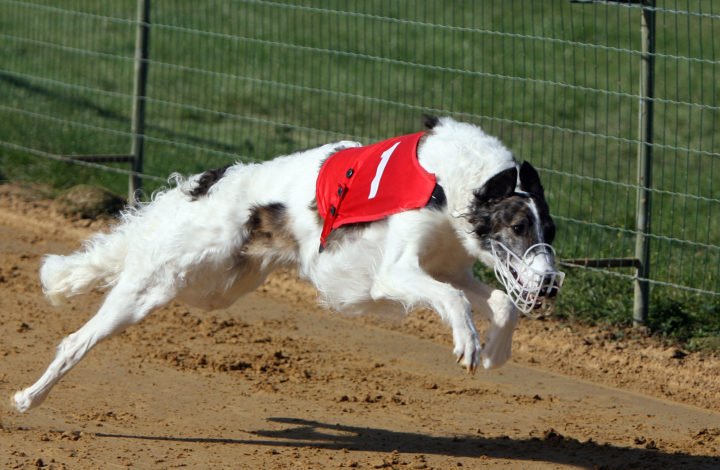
x,y
363,184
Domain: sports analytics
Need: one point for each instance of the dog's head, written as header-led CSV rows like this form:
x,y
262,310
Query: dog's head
x,y
512,224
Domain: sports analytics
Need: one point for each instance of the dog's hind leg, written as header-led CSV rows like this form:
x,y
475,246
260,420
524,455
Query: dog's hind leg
x,y
497,307
127,303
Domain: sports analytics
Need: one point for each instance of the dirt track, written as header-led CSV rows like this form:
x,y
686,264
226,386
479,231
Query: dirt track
x,y
275,382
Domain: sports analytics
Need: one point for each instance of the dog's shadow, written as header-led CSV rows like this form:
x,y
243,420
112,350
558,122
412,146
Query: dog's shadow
x,y
551,447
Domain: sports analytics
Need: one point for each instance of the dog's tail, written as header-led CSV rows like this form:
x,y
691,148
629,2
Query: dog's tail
x,y
97,265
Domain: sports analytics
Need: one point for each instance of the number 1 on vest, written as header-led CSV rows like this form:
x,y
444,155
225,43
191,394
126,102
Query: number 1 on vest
x,y
375,184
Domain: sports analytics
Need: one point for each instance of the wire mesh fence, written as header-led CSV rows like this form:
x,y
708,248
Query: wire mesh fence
x,y
558,82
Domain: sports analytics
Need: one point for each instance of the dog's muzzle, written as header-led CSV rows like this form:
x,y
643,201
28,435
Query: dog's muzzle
x,y
532,283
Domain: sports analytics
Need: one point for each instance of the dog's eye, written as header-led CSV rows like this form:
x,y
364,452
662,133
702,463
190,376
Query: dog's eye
x,y
518,229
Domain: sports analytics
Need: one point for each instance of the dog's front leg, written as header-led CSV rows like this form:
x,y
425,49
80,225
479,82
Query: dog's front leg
x,y
409,285
400,278
496,306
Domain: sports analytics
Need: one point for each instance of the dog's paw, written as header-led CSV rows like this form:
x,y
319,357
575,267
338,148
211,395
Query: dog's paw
x,y
498,343
467,348
28,398
496,353
21,401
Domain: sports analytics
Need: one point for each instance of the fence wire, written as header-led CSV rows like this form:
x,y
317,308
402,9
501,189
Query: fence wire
x,y
247,80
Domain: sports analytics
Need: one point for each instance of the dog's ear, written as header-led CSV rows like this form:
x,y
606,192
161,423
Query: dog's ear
x,y
498,187
430,121
530,180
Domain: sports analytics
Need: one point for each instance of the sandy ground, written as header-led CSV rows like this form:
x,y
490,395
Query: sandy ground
x,y
276,382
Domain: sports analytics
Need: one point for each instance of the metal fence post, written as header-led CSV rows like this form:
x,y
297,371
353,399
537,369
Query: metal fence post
x,y
139,89
642,243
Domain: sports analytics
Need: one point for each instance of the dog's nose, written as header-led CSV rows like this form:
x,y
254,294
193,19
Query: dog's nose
x,y
550,287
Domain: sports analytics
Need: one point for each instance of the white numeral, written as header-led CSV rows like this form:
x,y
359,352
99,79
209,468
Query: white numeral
x,y
380,170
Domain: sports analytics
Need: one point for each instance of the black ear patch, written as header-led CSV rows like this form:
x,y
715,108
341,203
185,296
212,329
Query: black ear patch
x,y
430,121
530,180
498,187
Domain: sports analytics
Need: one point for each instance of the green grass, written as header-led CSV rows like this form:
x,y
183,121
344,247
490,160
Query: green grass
x,y
682,318
268,80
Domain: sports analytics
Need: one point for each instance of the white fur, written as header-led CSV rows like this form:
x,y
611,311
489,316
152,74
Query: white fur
x,y
176,247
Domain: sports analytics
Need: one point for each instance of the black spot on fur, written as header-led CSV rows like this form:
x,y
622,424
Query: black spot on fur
x,y
264,220
269,232
206,180
438,200
430,121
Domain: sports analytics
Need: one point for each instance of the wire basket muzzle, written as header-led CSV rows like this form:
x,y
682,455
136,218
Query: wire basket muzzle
x,y
531,282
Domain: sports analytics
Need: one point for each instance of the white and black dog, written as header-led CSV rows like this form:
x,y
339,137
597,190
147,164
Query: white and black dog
x,y
216,236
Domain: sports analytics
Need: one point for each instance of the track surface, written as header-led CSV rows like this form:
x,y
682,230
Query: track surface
x,y
276,382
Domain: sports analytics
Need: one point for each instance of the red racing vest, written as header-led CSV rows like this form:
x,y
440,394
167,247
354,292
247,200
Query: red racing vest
x,y
363,184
